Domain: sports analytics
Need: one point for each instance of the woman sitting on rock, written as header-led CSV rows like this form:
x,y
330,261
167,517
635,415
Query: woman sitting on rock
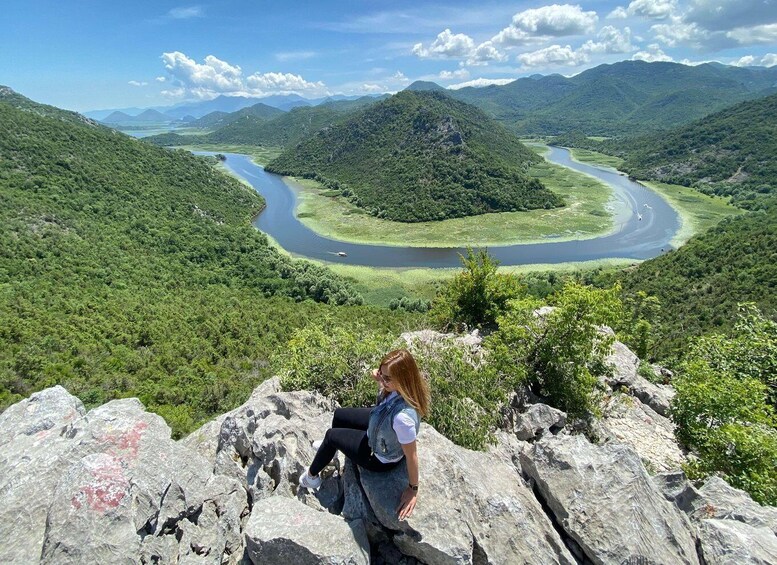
x,y
378,438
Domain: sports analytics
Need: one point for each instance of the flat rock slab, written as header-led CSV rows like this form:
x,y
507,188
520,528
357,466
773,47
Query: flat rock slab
x,y
604,499
726,542
286,531
627,420
472,507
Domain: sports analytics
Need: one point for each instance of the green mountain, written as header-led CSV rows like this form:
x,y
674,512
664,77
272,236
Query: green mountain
x,y
420,156
728,153
623,98
285,129
131,270
218,119
425,85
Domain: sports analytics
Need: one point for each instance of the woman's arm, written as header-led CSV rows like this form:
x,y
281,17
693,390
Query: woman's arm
x,y
409,496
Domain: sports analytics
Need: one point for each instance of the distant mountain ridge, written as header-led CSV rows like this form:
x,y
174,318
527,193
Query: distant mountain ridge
x,y
420,156
622,98
728,153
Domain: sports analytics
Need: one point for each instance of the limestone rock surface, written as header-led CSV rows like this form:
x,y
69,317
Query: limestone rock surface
x,y
627,420
472,508
731,541
108,486
286,531
604,499
625,365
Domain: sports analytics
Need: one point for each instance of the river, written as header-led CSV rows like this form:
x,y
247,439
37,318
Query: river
x,y
645,224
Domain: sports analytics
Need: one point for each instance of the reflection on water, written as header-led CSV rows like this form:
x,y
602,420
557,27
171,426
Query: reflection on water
x,y
645,224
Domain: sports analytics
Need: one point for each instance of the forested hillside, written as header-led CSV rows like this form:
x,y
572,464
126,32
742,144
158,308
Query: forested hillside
x,y
130,270
219,119
420,156
624,98
700,285
279,129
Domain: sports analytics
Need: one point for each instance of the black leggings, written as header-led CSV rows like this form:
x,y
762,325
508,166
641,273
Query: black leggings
x,y
349,434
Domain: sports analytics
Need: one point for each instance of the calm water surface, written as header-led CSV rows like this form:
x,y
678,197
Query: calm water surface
x,y
645,224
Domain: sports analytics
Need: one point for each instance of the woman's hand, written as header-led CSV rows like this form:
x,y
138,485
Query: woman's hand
x,y
407,503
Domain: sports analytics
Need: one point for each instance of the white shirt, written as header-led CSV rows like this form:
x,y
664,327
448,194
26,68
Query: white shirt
x,y
404,427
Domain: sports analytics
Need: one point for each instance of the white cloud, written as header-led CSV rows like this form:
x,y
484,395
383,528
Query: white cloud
x,y
372,88
400,77
281,82
618,13
485,53
480,82
758,34
460,74
186,12
137,83
655,9
447,45
652,55
214,76
610,40
680,32
746,61
295,55
177,92
549,21
555,55
160,79
769,60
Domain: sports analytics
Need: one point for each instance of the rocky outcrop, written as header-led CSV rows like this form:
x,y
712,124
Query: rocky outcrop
x,y
109,486
284,530
625,376
626,420
604,499
473,508
533,421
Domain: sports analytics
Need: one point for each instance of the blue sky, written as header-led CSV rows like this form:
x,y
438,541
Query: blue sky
x,y
89,54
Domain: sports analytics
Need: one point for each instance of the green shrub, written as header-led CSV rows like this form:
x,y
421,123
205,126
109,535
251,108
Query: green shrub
x,y
562,351
722,410
476,296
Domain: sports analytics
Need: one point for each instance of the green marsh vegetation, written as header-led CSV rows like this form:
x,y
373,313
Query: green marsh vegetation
x,y
585,214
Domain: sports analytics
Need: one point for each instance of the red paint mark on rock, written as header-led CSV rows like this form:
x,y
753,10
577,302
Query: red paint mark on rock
x,y
127,442
106,487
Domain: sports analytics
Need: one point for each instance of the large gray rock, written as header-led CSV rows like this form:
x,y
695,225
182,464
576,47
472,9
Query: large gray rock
x,y
266,444
718,499
603,498
726,542
110,486
534,421
625,365
36,446
472,508
626,420
284,530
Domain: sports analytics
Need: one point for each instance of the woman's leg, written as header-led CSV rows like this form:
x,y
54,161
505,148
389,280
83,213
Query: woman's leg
x,y
353,444
353,418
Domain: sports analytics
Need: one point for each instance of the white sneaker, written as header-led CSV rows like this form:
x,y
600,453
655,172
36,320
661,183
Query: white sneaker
x,y
308,482
317,444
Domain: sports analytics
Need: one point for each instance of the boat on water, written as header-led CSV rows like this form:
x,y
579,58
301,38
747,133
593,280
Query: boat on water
x,y
342,254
